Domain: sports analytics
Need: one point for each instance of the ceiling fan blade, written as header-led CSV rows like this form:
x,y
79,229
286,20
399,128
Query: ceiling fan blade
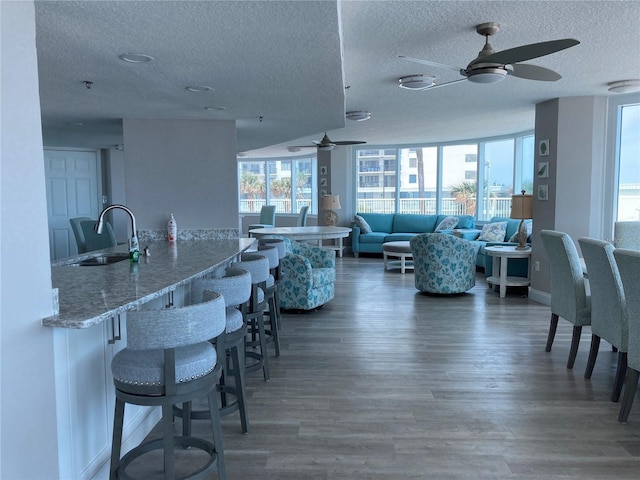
x,y
527,52
349,142
534,72
431,64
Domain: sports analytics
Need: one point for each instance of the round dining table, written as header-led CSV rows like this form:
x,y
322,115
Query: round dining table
x,y
310,233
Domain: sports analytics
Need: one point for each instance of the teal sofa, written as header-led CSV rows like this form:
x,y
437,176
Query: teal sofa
x,y
395,227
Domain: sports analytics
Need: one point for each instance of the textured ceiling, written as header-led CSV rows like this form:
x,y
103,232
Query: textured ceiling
x,y
300,65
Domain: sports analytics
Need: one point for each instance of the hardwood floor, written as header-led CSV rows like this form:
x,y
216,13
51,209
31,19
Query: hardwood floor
x,y
386,383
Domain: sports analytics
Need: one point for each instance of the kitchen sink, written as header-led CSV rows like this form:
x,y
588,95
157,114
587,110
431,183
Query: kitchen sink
x,y
100,260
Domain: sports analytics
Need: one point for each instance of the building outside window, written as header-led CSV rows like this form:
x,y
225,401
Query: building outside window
x,y
288,184
444,179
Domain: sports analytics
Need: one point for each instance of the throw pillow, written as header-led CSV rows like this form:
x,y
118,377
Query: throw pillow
x,y
362,224
449,223
493,232
528,226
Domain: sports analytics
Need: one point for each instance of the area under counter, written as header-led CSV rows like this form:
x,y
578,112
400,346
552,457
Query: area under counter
x,y
91,295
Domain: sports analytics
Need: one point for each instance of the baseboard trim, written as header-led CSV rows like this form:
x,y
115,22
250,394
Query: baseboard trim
x,y
540,297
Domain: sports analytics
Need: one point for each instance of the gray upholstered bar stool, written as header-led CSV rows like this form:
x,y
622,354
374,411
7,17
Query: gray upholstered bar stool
x,y
281,246
270,289
235,287
168,360
258,266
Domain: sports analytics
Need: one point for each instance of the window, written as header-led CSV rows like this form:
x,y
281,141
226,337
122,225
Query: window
x,y
444,178
288,184
628,162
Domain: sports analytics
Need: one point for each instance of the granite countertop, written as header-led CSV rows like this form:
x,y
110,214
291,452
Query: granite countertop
x,y
90,295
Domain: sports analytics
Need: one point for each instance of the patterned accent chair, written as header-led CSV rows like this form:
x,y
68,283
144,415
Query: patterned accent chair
x,y
443,263
308,276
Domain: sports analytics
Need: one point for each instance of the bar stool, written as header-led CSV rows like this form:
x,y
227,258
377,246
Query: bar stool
x,y
169,360
270,289
235,287
280,244
258,267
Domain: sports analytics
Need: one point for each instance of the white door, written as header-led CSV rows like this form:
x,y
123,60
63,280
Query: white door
x,y
72,191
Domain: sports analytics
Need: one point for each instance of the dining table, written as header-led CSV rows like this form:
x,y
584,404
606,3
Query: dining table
x,y
318,233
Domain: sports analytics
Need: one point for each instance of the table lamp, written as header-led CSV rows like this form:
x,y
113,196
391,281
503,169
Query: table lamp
x,y
522,208
331,203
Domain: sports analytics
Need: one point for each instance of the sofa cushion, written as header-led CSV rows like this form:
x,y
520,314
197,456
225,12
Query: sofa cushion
x,y
374,237
413,223
379,222
399,237
493,232
512,226
448,223
362,224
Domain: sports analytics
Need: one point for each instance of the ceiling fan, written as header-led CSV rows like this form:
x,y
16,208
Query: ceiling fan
x,y
490,66
326,144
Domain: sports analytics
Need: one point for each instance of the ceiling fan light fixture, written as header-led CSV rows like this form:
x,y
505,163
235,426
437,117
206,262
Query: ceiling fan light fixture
x,y
487,75
358,116
326,148
416,82
624,86
136,57
293,149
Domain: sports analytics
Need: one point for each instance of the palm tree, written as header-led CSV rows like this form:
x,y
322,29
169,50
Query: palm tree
x,y
252,185
466,193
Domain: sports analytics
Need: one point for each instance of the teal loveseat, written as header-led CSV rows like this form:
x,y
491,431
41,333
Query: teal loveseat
x,y
395,227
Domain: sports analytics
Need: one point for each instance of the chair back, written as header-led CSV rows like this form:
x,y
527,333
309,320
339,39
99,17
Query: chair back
x,y
271,252
279,243
77,233
256,265
569,298
608,305
302,216
93,241
235,287
268,215
628,262
627,235
176,327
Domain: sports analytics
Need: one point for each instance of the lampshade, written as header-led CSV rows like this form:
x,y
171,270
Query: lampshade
x,y
331,202
522,206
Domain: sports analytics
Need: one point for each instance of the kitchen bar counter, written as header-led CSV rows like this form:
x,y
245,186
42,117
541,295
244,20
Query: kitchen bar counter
x,y
90,295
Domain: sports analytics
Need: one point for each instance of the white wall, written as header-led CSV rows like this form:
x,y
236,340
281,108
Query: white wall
x,y
184,167
576,130
29,448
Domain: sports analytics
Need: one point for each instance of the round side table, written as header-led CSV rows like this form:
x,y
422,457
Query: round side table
x,y
501,255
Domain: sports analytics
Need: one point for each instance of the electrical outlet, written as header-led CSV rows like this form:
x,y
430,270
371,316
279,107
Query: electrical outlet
x,y
536,266
105,199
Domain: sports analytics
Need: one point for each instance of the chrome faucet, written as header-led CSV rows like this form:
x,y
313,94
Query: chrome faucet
x,y
134,251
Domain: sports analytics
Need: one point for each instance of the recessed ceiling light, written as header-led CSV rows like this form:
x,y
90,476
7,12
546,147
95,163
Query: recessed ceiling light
x,y
198,88
215,109
359,116
136,57
416,82
624,86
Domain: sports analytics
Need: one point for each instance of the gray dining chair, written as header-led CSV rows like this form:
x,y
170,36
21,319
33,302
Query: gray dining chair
x,y
608,307
302,216
626,235
94,241
267,218
569,298
628,262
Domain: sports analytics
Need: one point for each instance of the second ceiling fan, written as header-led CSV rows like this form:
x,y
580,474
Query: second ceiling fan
x,y
327,144
490,66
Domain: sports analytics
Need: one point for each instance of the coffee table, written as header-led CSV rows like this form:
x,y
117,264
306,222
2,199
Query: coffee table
x,y
400,250
318,233
501,255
